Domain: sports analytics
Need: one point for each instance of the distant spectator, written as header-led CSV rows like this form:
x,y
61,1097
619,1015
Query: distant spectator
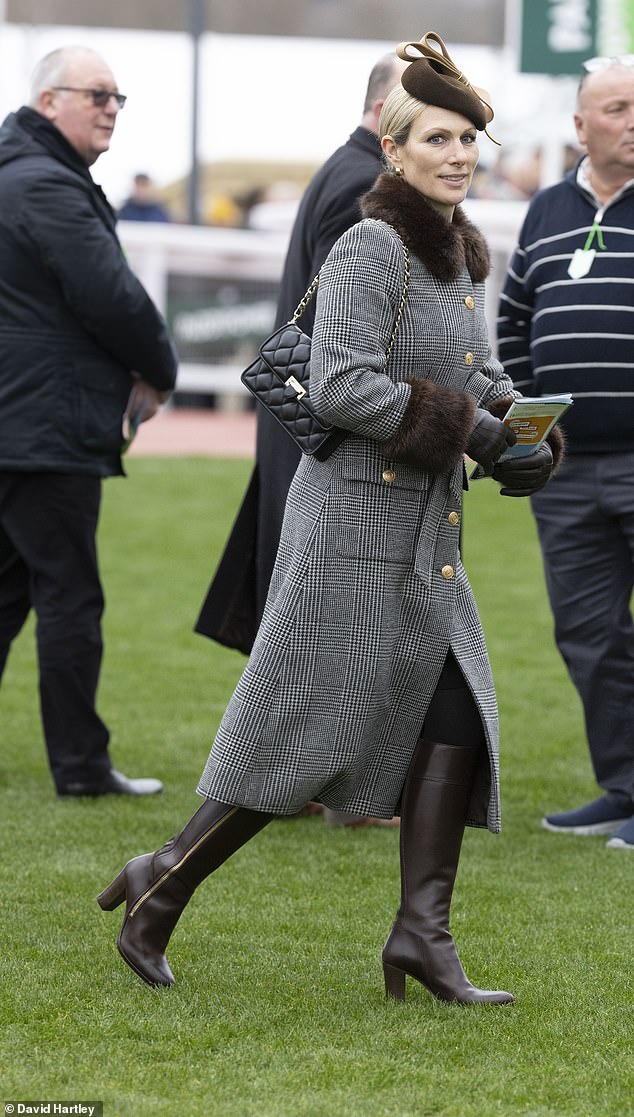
x,y
515,176
276,208
224,211
142,205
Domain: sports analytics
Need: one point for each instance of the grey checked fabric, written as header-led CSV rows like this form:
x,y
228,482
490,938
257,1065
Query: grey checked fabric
x,y
359,617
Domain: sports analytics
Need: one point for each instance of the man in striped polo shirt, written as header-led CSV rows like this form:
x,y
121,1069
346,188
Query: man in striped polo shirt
x,y
567,325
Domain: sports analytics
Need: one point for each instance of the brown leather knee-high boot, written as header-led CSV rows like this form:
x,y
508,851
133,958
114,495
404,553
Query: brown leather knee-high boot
x,y
157,886
435,801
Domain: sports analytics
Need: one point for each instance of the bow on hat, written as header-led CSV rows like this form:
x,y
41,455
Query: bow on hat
x,y
433,78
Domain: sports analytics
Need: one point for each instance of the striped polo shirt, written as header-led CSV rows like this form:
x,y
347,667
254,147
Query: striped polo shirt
x,y
559,332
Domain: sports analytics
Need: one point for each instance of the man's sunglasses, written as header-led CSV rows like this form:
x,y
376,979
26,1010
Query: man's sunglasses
x,y
605,63
100,97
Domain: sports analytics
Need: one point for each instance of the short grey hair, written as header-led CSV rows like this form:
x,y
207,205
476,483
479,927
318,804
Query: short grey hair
x,y
53,69
384,75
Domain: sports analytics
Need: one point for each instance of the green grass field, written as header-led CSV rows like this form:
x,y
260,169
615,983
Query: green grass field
x,y
279,1007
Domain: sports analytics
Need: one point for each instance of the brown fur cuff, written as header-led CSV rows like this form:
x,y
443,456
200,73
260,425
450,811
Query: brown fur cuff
x,y
557,442
435,427
499,407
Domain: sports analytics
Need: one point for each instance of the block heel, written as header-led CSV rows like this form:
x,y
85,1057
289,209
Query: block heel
x,y
434,808
114,894
394,982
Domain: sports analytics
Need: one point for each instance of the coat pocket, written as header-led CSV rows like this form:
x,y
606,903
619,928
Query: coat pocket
x,y
378,522
102,396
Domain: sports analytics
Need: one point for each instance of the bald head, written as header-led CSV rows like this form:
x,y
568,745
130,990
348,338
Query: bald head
x,y
57,68
605,124
385,74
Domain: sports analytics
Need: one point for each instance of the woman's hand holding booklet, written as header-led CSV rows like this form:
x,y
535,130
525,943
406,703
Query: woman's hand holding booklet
x,y
531,419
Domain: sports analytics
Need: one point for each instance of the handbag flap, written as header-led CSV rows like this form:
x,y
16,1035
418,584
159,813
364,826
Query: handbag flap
x,y
287,351
296,413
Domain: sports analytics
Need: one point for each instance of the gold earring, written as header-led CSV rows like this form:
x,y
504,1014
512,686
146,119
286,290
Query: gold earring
x,y
398,171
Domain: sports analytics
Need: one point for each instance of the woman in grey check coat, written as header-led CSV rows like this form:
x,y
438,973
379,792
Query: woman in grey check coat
x,y
368,687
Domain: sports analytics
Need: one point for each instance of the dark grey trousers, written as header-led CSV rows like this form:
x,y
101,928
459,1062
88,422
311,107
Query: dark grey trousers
x,y
585,520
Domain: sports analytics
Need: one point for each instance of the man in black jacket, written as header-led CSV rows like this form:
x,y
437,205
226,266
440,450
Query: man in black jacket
x,y
235,602
81,348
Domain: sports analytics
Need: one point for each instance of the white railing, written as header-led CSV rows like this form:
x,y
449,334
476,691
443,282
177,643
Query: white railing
x,y
161,255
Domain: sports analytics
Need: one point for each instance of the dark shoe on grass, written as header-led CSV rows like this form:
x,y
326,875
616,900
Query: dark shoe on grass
x,y
114,783
624,838
603,816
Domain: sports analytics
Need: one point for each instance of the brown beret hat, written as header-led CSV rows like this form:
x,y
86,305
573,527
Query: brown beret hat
x,y
434,79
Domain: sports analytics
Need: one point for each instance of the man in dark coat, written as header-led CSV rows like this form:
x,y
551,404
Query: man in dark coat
x,y
233,608
82,347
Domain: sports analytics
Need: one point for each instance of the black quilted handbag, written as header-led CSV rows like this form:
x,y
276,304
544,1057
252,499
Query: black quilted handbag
x,y
279,378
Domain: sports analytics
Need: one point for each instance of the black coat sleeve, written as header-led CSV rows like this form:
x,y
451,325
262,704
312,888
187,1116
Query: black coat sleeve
x,y
62,224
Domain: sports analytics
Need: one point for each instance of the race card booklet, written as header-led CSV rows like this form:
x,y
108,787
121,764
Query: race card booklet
x,y
532,419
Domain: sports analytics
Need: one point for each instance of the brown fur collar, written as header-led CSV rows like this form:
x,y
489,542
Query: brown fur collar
x,y
443,247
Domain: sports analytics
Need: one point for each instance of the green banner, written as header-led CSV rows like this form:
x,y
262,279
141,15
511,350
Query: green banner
x,y
557,35
616,27
629,25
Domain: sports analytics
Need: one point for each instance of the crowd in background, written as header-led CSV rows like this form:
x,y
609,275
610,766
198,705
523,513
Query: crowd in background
x,y
514,175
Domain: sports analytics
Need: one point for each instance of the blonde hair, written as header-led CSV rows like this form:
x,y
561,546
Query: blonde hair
x,y
398,114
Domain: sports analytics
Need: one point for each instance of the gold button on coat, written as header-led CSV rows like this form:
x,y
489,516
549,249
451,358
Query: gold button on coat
x,y
447,571
389,476
453,518
468,358
469,302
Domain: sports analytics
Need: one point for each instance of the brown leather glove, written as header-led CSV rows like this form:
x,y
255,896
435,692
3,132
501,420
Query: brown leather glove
x,y
488,439
527,475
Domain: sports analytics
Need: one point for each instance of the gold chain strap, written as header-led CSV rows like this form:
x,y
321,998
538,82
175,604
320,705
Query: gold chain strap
x,y
403,302
301,307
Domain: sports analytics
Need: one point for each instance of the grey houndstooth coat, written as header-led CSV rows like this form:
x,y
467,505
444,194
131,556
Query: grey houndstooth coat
x,y
369,592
